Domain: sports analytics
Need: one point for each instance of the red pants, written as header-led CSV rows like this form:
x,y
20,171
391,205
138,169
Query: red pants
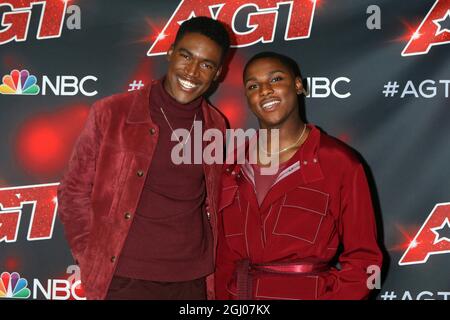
x,y
134,289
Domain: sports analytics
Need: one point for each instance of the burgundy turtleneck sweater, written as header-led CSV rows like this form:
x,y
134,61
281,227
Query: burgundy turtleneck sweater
x,y
170,239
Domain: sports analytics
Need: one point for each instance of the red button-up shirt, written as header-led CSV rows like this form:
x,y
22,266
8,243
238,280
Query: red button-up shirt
x,y
319,203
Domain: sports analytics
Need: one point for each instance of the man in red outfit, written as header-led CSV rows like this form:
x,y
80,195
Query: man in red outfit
x,y
137,223
279,234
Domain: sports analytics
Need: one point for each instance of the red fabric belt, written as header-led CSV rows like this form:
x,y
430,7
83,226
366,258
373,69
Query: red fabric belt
x,y
245,271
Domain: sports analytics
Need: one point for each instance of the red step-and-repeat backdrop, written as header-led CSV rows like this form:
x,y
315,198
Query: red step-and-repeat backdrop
x,y
379,80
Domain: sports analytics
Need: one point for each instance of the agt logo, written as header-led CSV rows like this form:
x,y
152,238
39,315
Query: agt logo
x,y
22,83
432,238
261,23
15,24
434,30
39,225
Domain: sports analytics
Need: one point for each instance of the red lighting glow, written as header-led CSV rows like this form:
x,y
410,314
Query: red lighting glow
x,y
411,32
408,238
155,32
12,264
44,143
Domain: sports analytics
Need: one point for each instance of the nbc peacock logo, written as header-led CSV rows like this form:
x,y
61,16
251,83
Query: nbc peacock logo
x,y
19,83
13,286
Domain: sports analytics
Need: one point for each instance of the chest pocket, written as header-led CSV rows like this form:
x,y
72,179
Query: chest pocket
x,y
231,212
301,214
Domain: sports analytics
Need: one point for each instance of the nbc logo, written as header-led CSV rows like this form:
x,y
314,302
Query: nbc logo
x,y
13,286
22,83
19,83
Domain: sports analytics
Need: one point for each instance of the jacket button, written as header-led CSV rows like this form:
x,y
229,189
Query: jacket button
x,y
113,259
209,215
140,173
127,216
152,131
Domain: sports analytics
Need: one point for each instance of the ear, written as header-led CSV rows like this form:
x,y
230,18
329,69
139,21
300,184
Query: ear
x,y
219,71
299,86
170,52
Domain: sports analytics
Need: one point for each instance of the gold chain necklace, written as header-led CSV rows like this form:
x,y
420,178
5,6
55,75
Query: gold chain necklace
x,y
173,131
288,147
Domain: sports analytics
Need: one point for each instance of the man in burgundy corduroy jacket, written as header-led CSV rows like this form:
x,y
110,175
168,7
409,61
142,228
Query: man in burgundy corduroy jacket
x,y
138,225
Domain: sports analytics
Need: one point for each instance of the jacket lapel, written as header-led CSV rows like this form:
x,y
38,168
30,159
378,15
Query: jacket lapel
x,y
246,181
140,107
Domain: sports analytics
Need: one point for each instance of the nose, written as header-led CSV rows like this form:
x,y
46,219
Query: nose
x,y
192,68
265,89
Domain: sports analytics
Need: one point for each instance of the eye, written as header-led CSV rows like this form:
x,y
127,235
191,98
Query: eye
x,y
185,56
276,79
207,66
251,86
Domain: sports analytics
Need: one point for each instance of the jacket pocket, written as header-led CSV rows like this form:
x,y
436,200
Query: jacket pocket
x,y
230,211
301,214
119,182
227,197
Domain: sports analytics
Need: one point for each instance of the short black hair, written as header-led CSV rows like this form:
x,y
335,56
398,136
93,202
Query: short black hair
x,y
288,62
213,29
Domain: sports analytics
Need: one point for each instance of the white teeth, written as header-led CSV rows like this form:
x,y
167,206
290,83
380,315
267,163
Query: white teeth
x,y
270,104
187,84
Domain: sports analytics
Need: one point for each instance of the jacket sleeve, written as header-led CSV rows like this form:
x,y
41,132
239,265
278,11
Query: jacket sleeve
x,y
357,233
74,191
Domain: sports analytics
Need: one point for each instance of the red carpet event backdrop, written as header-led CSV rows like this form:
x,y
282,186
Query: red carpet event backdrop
x,y
378,75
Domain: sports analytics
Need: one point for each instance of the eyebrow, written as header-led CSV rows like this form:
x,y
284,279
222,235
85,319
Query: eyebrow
x,y
205,60
270,73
